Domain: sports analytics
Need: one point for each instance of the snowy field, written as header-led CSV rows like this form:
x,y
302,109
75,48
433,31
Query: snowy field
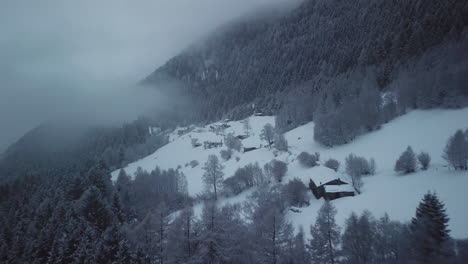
x,y
398,195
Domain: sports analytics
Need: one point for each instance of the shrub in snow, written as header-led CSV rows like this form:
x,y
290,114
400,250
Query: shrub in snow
x,y
244,178
296,193
407,161
372,166
281,143
456,150
226,154
194,163
232,186
424,160
307,159
232,142
195,142
237,159
317,156
276,169
332,164
356,165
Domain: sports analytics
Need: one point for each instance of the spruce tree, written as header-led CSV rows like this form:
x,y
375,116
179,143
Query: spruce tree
x,y
407,161
430,233
300,254
325,235
95,209
281,143
358,239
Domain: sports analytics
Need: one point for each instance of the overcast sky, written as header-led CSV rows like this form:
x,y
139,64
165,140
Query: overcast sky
x,y
64,56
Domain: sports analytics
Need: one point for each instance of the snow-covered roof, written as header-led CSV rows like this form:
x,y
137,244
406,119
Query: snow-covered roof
x,y
321,175
338,188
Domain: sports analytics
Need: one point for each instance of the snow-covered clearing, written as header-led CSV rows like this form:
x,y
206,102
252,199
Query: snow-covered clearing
x,y
387,191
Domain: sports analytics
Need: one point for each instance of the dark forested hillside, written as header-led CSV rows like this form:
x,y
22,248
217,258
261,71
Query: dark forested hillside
x,y
254,60
66,146
350,66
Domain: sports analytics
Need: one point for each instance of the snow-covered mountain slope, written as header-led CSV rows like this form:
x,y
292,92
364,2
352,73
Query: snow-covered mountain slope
x,y
180,152
387,191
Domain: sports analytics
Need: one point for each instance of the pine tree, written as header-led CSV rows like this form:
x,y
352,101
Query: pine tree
x,y
160,220
391,243
113,248
123,187
210,249
268,134
430,233
271,232
181,237
358,239
247,126
99,176
281,143
325,235
456,151
213,176
96,210
406,163
300,254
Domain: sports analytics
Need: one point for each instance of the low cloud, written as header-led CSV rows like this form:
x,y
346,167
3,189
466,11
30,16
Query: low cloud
x,y
65,58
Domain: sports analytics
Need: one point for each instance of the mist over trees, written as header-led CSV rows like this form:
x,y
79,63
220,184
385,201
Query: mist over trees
x,y
403,49
52,146
349,66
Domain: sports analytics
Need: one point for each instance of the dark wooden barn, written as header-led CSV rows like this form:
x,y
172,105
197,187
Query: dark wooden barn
x,y
331,190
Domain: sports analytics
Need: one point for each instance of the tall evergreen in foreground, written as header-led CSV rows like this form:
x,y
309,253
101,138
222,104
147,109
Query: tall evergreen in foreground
x,y
430,233
325,235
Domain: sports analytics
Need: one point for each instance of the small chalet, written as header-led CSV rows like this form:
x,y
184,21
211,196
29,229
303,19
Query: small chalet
x,y
331,190
325,182
249,149
210,144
